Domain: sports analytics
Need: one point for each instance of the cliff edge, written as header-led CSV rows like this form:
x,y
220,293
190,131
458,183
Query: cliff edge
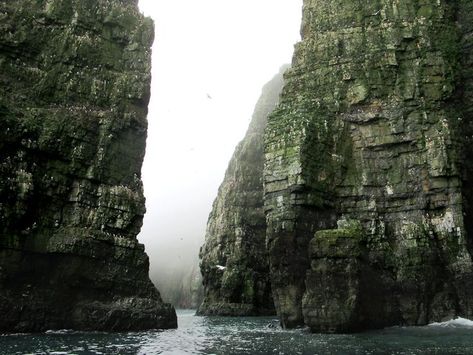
x,y
234,259
367,186
74,90
367,173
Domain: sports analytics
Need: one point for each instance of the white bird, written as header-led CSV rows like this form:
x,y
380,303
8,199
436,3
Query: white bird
x,y
220,267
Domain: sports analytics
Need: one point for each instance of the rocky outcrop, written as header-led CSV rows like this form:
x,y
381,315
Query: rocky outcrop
x,y
373,130
234,260
342,290
74,90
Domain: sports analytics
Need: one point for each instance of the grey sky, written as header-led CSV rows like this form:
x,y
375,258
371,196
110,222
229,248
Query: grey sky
x,y
210,61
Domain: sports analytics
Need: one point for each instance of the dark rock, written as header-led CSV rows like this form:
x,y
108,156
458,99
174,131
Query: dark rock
x,y
74,90
374,125
343,293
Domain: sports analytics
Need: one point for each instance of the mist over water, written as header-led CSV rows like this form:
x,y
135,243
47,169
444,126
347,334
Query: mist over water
x,y
210,60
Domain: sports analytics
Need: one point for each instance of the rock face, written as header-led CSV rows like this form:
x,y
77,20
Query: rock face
x,y
75,78
373,130
234,259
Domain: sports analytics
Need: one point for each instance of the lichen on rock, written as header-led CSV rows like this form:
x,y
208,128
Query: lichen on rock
x,y
73,103
373,130
342,291
373,126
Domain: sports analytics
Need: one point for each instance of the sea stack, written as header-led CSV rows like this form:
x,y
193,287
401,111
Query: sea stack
x,y
75,85
367,175
367,170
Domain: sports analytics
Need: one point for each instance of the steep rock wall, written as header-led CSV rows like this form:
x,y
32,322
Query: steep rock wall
x,y
74,90
234,260
373,129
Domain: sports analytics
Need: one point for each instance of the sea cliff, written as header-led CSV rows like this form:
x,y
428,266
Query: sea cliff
x,y
235,264
367,192
74,90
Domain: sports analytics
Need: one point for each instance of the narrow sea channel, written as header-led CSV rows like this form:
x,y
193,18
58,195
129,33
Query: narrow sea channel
x,y
226,336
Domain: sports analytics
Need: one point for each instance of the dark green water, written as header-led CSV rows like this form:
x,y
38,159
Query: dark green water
x,y
202,335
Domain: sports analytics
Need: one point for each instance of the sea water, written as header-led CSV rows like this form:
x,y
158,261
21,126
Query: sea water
x,y
249,335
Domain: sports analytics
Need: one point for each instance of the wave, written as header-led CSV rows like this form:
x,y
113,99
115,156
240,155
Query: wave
x,y
60,331
454,323
14,334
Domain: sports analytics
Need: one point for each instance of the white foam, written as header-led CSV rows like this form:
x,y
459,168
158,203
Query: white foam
x,y
454,323
60,331
14,334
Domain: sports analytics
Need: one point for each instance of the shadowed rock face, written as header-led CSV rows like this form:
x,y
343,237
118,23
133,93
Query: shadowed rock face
x,y
234,260
373,130
74,90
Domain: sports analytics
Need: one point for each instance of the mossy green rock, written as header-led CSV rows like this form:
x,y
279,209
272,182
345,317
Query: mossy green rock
x,y
74,90
343,293
234,258
337,243
374,124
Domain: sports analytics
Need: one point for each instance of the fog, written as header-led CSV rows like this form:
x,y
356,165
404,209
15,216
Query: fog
x,y
210,61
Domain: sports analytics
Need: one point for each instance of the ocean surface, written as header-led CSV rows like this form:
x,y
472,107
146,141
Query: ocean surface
x,y
203,335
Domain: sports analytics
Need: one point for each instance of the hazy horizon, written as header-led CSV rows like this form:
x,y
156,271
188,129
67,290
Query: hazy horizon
x,y
210,61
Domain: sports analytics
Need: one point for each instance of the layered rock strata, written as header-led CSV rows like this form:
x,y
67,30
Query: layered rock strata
x,y
373,130
234,259
74,90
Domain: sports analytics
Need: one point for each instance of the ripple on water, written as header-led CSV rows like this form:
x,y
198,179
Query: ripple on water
x,y
219,335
